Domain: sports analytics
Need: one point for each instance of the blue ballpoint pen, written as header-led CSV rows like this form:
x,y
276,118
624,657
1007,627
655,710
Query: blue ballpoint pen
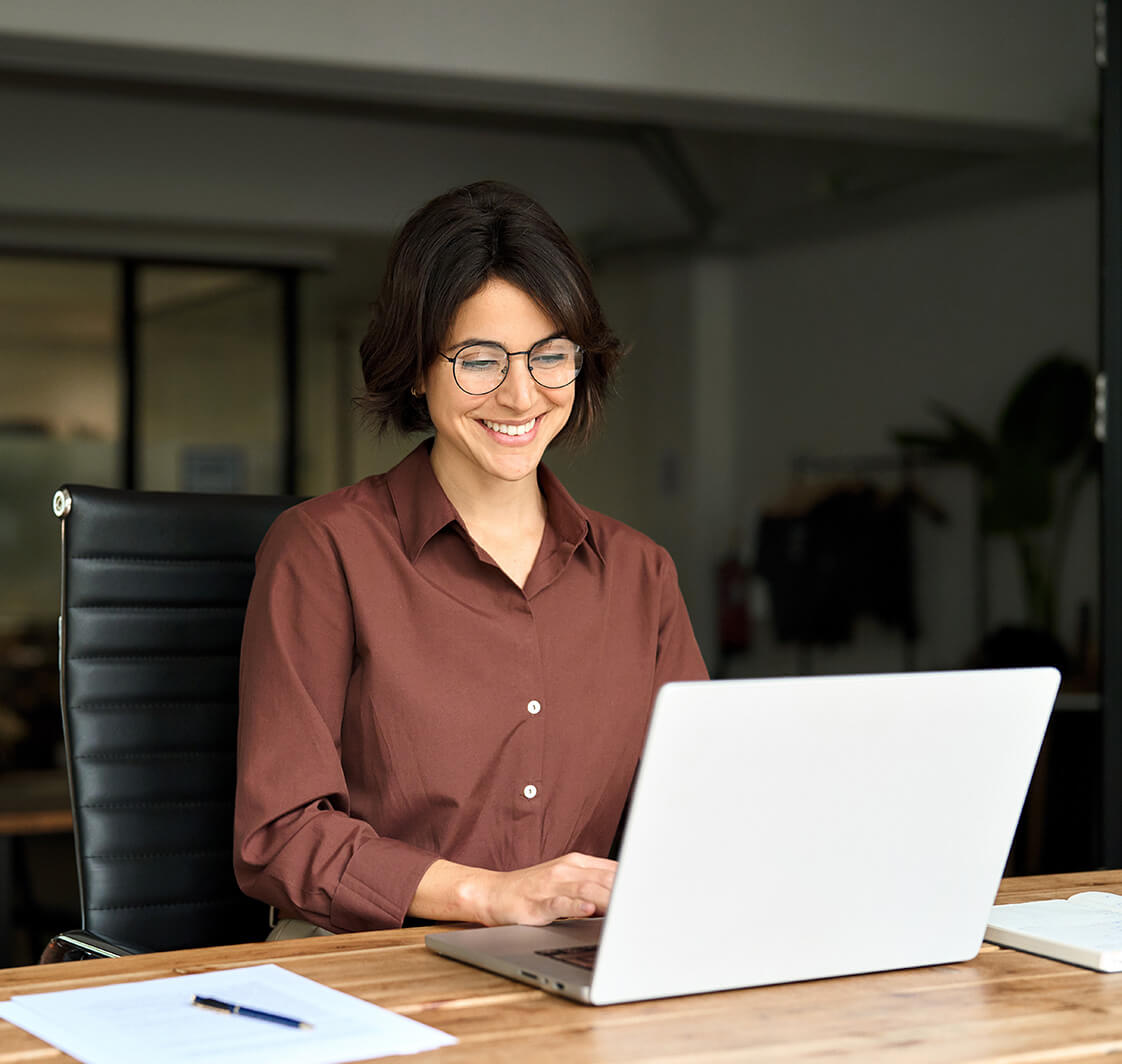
x,y
245,1010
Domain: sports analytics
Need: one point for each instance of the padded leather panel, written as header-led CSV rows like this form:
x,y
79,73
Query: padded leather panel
x,y
154,593
205,629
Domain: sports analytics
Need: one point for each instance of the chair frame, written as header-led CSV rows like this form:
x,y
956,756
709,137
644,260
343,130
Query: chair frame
x,y
154,586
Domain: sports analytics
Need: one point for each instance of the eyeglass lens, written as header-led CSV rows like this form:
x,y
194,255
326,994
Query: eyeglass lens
x,y
553,363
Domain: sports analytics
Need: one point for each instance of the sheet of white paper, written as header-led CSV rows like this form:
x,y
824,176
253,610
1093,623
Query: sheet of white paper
x,y
137,1023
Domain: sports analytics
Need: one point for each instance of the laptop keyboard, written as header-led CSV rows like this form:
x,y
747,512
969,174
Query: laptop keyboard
x,y
581,956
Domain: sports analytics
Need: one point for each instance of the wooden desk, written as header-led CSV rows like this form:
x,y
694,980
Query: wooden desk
x,y
1003,1007
34,803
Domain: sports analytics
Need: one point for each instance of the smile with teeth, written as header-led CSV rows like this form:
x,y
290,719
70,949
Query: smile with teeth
x,y
510,430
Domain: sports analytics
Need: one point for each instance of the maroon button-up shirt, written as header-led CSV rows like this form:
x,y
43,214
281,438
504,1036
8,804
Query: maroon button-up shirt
x,y
403,700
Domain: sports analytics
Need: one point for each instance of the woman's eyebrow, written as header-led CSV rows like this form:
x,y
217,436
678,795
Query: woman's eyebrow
x,y
559,334
476,340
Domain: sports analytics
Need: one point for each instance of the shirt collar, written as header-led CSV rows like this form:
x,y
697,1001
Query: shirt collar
x,y
565,515
423,509
420,503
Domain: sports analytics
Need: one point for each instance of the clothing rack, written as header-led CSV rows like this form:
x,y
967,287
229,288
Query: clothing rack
x,y
869,467
903,463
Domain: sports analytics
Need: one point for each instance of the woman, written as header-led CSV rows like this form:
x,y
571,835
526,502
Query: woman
x,y
447,669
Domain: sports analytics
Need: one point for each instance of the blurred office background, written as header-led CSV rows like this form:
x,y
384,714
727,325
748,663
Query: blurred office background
x,y
809,218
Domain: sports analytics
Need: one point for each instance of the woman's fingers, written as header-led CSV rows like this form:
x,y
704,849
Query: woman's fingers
x,y
574,885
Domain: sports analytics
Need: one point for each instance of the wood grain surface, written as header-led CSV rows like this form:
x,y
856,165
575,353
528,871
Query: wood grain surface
x,y
34,803
1002,1007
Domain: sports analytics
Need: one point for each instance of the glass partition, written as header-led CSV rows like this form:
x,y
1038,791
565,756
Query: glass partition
x,y
60,421
210,379
60,414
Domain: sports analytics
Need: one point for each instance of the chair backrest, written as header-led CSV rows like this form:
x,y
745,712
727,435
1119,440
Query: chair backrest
x,y
154,589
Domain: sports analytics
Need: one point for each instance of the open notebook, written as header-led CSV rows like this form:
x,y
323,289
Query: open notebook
x,y
789,829
1085,929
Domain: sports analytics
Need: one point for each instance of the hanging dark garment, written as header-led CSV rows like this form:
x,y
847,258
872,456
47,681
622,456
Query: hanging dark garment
x,y
849,554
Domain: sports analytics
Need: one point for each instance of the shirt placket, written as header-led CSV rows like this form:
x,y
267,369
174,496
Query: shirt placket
x,y
529,703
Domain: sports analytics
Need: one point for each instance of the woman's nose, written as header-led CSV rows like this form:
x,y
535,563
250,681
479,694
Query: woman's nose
x,y
518,387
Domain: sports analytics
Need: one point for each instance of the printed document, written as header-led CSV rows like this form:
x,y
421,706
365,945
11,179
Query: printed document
x,y
137,1023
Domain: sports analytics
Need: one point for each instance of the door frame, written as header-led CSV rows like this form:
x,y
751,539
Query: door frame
x,y
1109,15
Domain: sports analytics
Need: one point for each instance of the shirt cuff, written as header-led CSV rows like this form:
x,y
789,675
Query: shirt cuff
x,y
378,885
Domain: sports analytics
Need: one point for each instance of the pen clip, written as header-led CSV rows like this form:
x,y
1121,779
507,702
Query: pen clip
x,y
211,1003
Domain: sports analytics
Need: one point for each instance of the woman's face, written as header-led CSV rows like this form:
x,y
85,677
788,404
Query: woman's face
x,y
503,434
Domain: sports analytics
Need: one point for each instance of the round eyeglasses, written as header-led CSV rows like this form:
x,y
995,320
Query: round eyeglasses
x,y
480,368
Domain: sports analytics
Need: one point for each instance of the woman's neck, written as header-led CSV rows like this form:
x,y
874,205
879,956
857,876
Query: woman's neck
x,y
506,518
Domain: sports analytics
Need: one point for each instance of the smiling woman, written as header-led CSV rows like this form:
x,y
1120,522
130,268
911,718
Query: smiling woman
x,y
487,446
445,254
447,669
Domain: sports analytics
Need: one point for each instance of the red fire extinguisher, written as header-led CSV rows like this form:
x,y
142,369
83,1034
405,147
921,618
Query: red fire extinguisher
x,y
734,622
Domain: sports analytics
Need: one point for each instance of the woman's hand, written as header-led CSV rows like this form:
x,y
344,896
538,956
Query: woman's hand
x,y
570,886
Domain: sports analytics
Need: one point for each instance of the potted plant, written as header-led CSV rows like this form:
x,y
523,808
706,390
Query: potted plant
x,y
1030,471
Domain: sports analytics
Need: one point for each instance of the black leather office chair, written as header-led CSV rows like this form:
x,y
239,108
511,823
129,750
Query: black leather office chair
x,y
154,588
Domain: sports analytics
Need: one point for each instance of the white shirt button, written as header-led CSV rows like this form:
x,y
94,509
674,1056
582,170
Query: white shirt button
x,y
533,707
530,791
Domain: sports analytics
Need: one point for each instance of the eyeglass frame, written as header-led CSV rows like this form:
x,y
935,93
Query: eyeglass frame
x,y
509,355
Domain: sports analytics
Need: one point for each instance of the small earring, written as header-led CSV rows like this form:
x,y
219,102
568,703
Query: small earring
x,y
413,392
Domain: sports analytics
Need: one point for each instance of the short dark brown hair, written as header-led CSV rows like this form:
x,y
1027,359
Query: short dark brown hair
x,y
445,253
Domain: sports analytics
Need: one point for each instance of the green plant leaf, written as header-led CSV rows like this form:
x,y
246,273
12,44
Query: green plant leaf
x,y
1031,474
1051,411
1018,495
960,442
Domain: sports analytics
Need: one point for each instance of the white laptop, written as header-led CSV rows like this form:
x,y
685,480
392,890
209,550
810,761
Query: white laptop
x,y
790,829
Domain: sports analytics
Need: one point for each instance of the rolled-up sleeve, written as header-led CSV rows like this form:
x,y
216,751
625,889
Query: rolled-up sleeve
x,y
296,844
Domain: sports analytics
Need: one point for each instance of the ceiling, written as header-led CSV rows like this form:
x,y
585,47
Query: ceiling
x,y
622,186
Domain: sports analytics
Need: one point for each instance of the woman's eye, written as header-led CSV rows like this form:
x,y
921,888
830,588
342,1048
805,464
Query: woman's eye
x,y
478,363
